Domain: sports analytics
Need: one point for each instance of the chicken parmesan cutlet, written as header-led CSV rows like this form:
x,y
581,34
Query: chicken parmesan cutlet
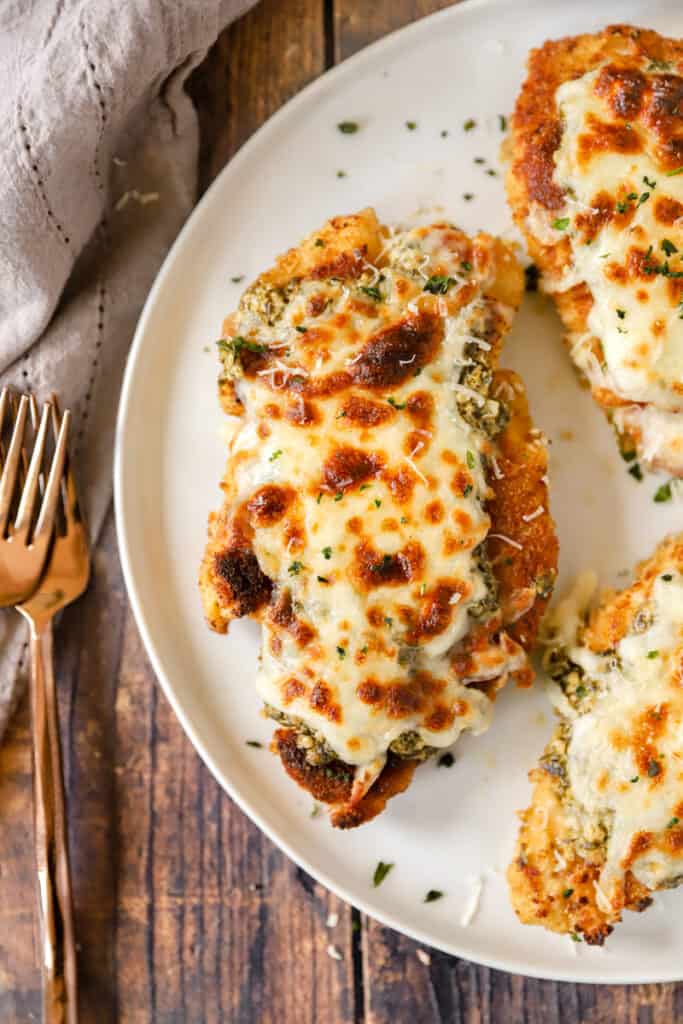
x,y
386,515
605,825
595,183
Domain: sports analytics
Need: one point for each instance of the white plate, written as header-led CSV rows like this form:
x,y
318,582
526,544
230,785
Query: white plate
x,y
453,825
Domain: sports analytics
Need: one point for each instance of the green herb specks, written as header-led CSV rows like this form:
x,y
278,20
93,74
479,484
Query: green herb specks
x,y
381,872
663,493
433,895
438,284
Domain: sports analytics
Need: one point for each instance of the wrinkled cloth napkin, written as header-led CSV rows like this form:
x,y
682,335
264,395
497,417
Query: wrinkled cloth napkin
x,y
97,173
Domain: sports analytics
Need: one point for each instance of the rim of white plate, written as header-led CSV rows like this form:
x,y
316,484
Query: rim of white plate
x,y
366,55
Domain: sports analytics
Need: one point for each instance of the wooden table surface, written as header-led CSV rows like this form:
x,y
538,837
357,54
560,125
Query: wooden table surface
x,y
184,911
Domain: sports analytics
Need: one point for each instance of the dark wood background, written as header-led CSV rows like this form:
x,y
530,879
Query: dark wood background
x,y
184,911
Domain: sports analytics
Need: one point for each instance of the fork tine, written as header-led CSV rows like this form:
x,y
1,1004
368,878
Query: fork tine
x,y
28,497
72,510
11,468
4,402
54,481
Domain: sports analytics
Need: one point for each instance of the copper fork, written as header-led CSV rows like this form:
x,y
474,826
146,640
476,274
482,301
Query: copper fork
x,y
65,579
25,540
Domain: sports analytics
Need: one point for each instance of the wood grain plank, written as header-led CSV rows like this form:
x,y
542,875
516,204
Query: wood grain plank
x,y
256,65
184,911
356,25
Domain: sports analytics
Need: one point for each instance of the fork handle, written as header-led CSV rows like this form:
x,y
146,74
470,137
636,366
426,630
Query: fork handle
x,y
57,946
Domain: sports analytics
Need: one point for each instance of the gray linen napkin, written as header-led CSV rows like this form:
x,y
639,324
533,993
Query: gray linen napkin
x,y
98,154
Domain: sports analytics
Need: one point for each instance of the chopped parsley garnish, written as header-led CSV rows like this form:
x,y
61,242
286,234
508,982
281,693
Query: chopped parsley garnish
x,y
446,761
672,823
388,621
650,184
621,313
403,520
621,207
341,174
469,124
479,160
663,493
580,691
467,490
322,579
567,893
372,292
668,247
364,650
466,265
628,454
315,811
470,459
468,196
561,223
348,127
502,122
636,778
295,568
341,651
364,487
672,174
433,895
301,329
444,133
237,278
340,415
632,195
653,768
438,284
275,455
423,589
319,498
653,654
319,241
661,268
378,503
411,125
381,872
254,743
327,553
659,65
636,472
395,404
239,344
643,198
491,172
339,495
667,577
575,937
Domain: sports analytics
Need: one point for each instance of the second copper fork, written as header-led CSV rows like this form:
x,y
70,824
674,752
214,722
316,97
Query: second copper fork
x,y
64,579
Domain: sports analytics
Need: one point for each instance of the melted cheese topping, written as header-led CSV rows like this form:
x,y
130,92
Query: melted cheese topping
x,y
374,460
624,222
625,755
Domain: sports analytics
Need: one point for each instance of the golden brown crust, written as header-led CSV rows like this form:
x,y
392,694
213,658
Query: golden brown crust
x,y
550,883
332,783
639,105
536,128
520,490
230,579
